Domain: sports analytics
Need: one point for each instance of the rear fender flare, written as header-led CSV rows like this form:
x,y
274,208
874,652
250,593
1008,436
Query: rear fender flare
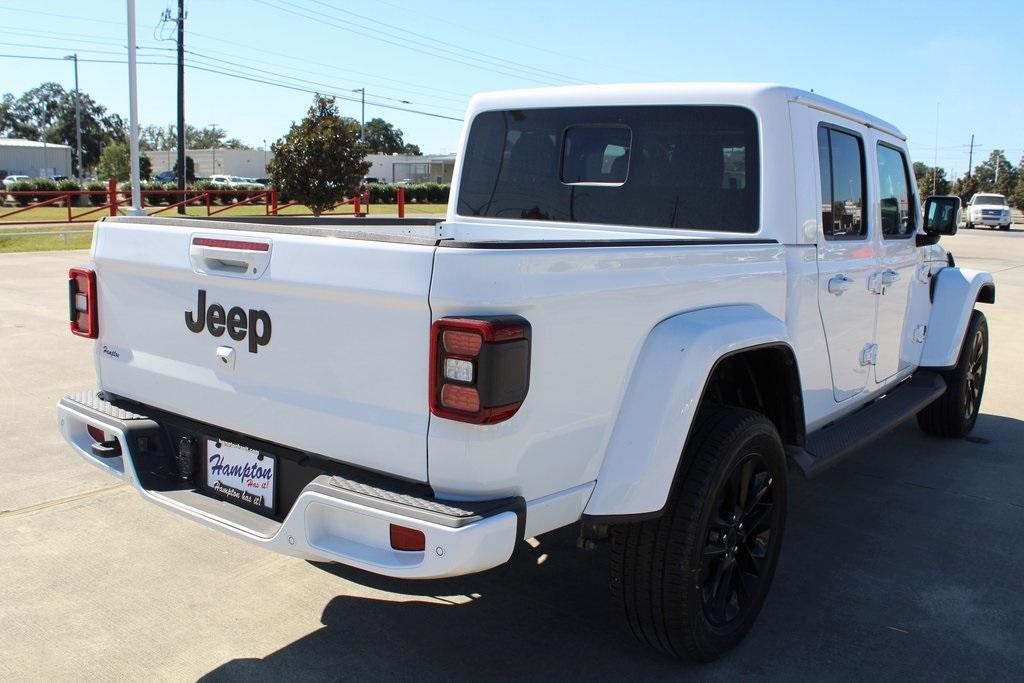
x,y
954,293
662,397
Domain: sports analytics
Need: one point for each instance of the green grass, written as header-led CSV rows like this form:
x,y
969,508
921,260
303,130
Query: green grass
x,y
44,242
13,225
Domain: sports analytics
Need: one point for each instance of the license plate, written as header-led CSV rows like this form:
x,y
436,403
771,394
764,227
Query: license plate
x,y
240,475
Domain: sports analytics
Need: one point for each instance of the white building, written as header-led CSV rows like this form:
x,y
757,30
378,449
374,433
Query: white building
x,y
36,159
427,168
247,163
252,163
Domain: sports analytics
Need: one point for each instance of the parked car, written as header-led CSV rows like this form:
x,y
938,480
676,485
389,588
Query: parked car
x,y
11,179
647,305
989,208
166,177
227,180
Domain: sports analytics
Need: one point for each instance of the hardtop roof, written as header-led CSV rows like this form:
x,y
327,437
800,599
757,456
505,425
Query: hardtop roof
x,y
752,95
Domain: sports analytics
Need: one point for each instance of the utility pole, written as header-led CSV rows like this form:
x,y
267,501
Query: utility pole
x,y
362,115
78,118
133,115
182,170
935,162
970,157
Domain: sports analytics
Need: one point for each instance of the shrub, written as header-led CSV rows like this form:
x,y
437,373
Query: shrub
x,y
97,199
381,193
43,185
22,186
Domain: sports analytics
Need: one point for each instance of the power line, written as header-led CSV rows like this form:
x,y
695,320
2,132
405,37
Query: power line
x,y
335,95
61,16
402,31
332,67
323,18
433,16
303,80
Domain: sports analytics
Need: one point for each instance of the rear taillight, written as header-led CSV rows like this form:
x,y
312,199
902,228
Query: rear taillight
x,y
479,368
82,302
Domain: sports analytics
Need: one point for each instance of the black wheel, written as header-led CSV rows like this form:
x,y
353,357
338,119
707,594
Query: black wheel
x,y
969,225
954,413
1004,227
693,581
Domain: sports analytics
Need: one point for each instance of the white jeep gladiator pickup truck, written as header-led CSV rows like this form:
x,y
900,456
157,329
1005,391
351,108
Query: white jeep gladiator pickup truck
x,y
646,304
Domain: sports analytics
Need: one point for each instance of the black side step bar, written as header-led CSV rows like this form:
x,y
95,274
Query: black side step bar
x,y
833,443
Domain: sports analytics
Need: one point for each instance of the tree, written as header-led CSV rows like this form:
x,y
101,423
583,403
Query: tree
x,y
166,137
114,162
1016,198
929,177
996,174
320,158
190,170
49,111
383,138
965,187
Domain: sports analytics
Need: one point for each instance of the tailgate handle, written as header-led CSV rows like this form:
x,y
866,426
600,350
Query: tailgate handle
x,y
244,258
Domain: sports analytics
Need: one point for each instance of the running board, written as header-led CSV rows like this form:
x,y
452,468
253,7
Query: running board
x,y
835,442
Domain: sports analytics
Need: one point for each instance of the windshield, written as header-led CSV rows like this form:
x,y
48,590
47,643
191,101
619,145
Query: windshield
x,y
651,166
990,199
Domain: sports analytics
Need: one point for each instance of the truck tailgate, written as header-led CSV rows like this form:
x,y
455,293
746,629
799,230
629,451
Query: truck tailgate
x,y
317,343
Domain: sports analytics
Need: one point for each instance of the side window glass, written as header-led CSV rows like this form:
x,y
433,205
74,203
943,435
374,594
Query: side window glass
x,y
825,167
846,196
895,199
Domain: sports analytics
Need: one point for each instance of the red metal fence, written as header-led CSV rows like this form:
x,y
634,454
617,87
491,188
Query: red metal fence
x,y
113,199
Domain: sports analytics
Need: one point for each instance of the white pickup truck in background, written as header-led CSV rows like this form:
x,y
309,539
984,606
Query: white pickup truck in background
x,y
646,303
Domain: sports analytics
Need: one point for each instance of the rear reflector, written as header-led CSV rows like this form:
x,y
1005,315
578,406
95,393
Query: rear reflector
x,y
404,538
480,368
97,434
82,302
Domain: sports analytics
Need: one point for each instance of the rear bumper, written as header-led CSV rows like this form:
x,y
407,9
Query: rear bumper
x,y
334,518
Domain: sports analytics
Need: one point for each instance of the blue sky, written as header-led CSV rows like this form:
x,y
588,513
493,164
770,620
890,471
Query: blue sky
x,y
898,60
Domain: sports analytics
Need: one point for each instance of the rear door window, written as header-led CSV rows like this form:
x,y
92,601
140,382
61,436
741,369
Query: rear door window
x,y
842,187
679,166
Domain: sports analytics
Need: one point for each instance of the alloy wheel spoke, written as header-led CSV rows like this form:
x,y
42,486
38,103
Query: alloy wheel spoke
x,y
723,591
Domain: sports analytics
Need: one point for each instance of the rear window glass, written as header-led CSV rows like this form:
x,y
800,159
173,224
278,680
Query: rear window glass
x,y
592,154
693,167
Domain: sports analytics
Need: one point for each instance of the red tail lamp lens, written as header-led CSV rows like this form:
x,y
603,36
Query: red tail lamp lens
x,y
82,302
480,368
97,434
461,398
462,343
404,538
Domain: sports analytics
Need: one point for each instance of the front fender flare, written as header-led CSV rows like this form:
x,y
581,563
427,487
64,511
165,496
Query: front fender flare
x,y
954,293
661,399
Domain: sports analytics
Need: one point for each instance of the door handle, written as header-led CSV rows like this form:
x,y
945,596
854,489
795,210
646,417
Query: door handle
x,y
839,284
889,276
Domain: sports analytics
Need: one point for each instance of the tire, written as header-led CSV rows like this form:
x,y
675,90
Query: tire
x,y
664,570
1004,227
969,225
954,413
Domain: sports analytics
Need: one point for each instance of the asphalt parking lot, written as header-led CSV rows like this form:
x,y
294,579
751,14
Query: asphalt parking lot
x,y
905,562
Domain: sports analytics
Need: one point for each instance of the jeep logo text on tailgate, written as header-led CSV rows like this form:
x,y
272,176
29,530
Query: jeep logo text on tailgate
x,y
236,322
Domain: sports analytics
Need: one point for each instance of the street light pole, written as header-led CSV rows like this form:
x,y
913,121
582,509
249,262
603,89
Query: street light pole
x,y
78,118
362,115
133,115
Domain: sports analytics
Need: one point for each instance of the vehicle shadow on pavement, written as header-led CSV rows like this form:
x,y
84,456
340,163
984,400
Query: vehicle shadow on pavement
x,y
894,565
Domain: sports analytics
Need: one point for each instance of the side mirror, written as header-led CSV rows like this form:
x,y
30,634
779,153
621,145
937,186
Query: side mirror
x,y
941,217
